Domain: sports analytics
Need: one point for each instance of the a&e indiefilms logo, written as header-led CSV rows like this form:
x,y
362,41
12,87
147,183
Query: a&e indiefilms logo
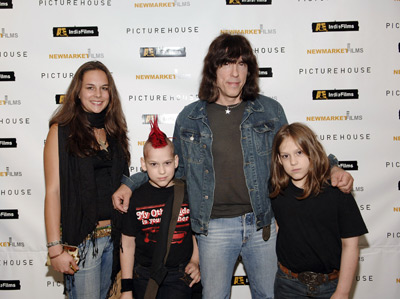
x,y
9,214
60,98
75,31
335,94
163,52
8,142
6,4
248,2
9,285
335,26
7,76
348,165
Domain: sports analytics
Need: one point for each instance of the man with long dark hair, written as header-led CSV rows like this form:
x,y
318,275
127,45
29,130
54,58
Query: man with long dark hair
x,y
224,144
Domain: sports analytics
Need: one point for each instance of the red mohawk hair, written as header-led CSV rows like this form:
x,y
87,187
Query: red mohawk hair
x,y
157,138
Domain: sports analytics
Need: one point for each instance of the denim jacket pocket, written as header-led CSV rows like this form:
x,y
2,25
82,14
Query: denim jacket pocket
x,y
191,146
264,136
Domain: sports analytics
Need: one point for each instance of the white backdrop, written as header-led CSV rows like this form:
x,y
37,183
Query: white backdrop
x,y
346,53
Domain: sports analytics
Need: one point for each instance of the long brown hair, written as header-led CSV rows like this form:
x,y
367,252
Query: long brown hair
x,y
82,141
319,169
228,48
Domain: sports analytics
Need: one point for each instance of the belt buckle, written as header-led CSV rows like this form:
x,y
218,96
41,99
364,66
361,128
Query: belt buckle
x,y
311,278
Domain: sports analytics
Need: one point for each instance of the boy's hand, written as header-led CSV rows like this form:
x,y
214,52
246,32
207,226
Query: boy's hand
x,y
121,198
341,179
192,268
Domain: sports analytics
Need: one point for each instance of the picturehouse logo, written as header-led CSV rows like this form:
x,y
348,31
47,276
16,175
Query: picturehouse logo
x,y
9,214
75,31
4,4
335,26
75,3
248,2
335,94
348,165
265,72
7,76
10,285
162,52
8,142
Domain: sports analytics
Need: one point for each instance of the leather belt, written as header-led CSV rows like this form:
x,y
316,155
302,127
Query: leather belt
x,y
311,278
100,232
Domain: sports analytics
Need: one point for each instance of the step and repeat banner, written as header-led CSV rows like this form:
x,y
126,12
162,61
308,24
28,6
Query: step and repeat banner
x,y
334,65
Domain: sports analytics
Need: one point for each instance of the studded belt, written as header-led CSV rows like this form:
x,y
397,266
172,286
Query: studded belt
x,y
100,232
311,278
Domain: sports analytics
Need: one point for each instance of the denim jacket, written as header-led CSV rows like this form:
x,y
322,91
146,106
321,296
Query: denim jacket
x,y
262,118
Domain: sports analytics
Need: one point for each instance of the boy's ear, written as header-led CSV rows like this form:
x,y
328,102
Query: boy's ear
x,y
143,164
176,161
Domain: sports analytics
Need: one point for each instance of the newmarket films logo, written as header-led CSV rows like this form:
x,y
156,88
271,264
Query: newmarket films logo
x,y
260,30
162,118
265,72
347,50
9,102
6,4
163,30
348,165
240,281
335,26
10,285
5,34
170,4
10,243
75,3
60,98
7,76
248,2
87,55
163,52
9,214
10,173
346,117
8,142
335,94
75,31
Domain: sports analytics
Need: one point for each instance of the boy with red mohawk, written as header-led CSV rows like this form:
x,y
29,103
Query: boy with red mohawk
x,y
145,262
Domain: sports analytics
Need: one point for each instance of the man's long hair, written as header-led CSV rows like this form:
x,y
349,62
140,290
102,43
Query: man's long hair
x,y
228,48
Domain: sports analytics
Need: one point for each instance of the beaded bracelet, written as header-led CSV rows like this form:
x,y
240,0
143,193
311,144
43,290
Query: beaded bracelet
x,y
54,243
57,255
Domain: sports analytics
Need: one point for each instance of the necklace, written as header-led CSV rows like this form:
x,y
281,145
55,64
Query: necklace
x,y
228,108
103,144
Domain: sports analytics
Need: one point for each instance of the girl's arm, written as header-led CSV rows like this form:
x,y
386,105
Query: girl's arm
x,y
127,259
348,266
60,261
192,267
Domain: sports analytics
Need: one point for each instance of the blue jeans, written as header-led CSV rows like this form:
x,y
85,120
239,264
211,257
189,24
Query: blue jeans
x,y
94,277
227,239
287,287
172,287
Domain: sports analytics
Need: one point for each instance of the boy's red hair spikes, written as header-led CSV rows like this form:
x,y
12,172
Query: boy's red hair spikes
x,y
157,138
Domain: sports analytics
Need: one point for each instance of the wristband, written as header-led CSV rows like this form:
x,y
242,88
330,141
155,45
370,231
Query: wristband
x,y
57,255
126,285
54,243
